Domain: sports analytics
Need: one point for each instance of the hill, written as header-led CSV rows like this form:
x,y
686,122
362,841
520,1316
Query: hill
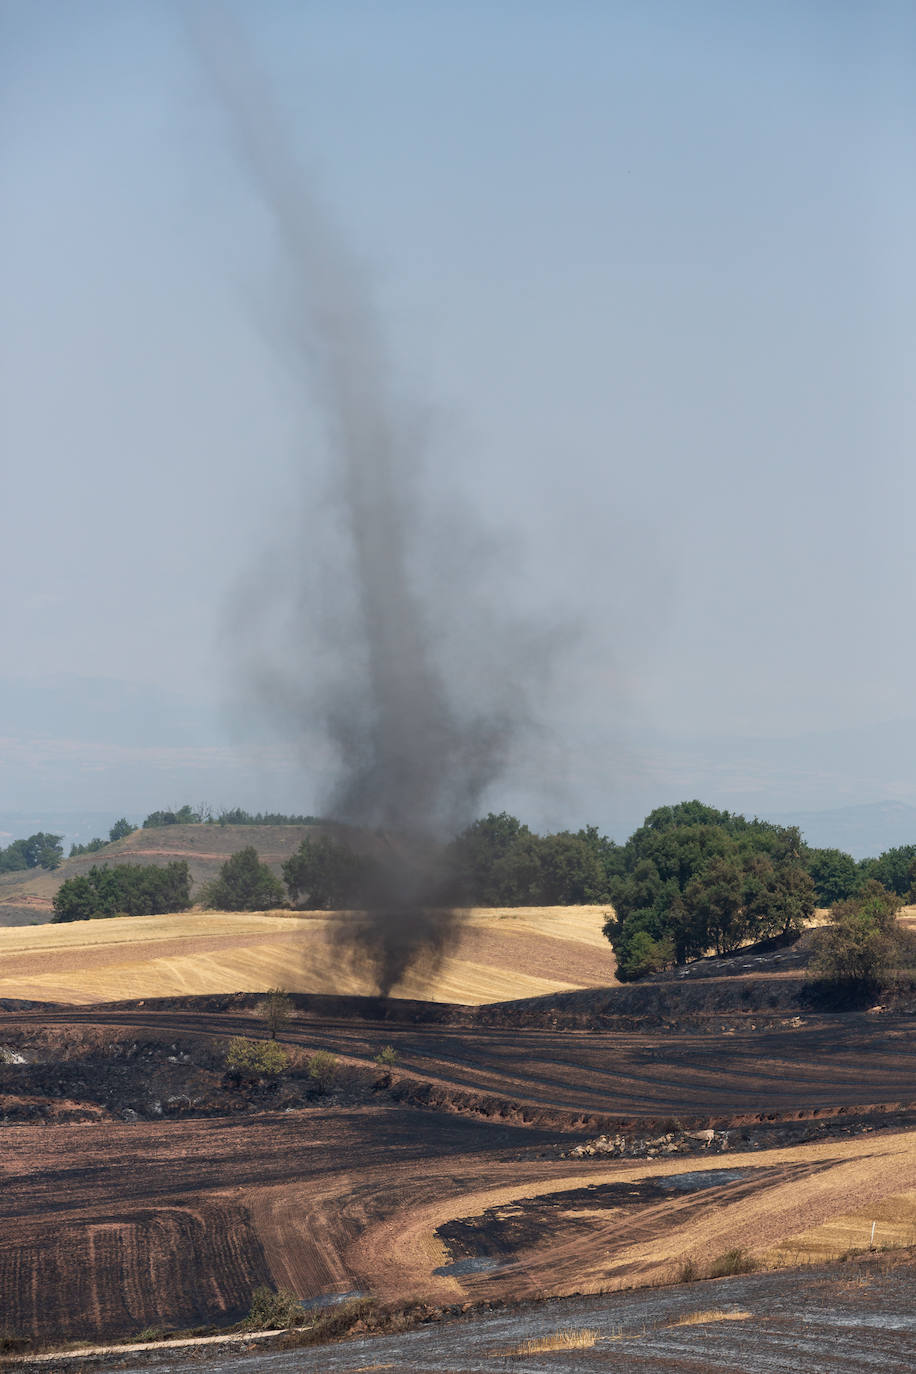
x,y
26,897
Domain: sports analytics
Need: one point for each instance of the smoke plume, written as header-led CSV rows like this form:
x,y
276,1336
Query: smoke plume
x,y
409,683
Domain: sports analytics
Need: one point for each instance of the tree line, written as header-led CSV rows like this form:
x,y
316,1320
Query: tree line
x,y
689,880
236,815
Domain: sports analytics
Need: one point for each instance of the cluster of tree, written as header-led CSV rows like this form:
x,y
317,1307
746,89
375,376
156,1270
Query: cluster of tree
x,y
837,875
117,832
128,890
693,879
38,851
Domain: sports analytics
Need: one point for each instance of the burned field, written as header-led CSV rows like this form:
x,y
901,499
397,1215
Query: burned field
x,y
854,1319
143,1187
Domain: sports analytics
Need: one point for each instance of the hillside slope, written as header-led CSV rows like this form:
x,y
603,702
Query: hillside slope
x,y
26,897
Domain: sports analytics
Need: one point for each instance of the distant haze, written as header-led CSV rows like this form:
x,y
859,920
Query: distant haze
x,y
650,273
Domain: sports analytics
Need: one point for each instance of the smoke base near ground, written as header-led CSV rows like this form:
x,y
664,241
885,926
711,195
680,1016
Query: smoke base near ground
x,y
415,699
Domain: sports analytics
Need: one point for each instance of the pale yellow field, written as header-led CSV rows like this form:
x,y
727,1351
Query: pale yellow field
x,y
887,1221
499,954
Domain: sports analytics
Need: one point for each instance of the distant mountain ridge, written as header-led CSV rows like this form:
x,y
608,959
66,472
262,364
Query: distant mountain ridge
x,y
863,831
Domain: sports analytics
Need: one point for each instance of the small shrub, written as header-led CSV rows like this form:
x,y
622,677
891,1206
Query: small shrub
x,y
323,1069
275,1010
687,1272
336,1322
387,1057
274,1311
255,1058
857,950
152,1333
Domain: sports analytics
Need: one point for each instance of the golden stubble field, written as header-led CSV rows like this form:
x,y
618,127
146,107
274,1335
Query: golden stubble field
x,y
499,954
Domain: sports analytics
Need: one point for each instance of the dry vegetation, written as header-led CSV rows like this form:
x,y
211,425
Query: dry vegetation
x,y
582,1339
711,1314
501,954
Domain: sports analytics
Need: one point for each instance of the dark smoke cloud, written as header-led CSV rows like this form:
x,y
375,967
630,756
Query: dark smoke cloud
x,y
419,691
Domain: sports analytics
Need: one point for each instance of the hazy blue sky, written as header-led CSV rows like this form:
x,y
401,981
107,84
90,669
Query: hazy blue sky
x,y
646,271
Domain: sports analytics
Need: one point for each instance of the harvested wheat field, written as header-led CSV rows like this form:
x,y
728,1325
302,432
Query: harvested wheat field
x,y
499,954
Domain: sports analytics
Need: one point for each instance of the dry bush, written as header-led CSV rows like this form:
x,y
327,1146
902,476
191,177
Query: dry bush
x,y
272,1311
732,1262
323,1069
572,1339
152,1333
711,1314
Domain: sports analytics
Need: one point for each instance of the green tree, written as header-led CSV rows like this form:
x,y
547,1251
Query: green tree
x,y
856,951
40,850
134,889
645,955
326,875
493,862
244,884
714,900
120,829
75,900
185,815
275,1010
274,1311
701,879
90,847
571,871
892,869
835,874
